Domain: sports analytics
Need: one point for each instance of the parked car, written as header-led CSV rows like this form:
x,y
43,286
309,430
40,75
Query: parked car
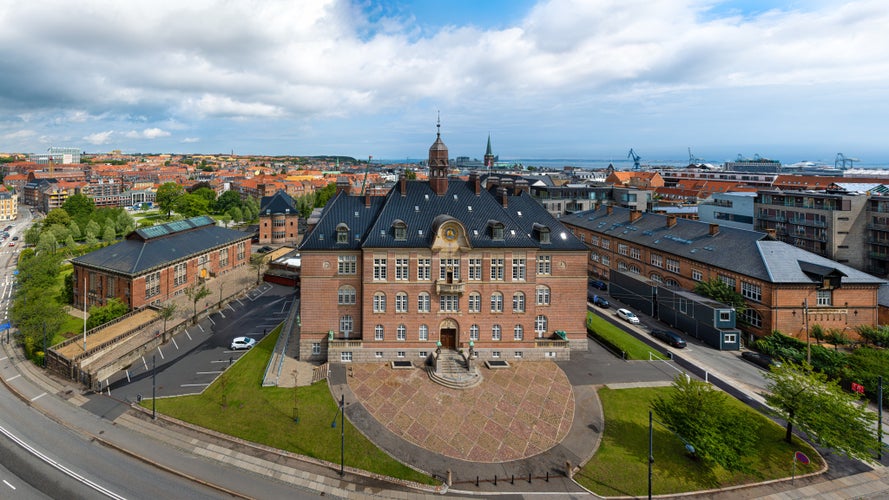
x,y
671,338
760,359
15,238
598,284
242,343
628,316
601,302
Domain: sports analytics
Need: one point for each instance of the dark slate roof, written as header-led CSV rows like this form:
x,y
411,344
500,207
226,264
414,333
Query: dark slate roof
x,y
749,253
137,256
278,203
422,211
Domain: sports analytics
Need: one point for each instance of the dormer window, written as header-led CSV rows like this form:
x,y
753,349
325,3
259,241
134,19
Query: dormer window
x,y
496,230
342,233
543,233
400,229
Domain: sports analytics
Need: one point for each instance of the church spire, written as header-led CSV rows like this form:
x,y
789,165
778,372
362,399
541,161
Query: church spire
x,y
438,162
489,154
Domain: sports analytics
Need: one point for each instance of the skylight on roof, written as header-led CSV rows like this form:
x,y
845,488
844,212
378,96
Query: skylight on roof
x,y
416,208
356,213
469,207
519,212
455,197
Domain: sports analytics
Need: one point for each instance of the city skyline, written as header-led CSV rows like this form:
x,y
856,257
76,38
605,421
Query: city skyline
x,y
556,79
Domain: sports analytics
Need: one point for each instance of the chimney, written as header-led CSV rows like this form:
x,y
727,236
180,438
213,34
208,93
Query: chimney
x,y
507,184
671,221
366,199
402,184
714,229
492,183
522,185
504,196
635,215
773,234
343,184
609,210
476,183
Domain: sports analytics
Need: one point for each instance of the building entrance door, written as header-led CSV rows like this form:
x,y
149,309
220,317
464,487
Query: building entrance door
x,y
449,338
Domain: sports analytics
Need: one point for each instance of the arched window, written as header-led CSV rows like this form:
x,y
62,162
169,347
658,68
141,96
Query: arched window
x,y
401,332
378,332
635,269
346,295
401,302
342,233
400,230
656,278
424,332
475,302
423,302
379,302
518,333
671,282
518,302
540,325
496,302
542,295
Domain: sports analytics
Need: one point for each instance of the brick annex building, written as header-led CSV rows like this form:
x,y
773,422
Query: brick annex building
x,y
781,284
443,260
156,263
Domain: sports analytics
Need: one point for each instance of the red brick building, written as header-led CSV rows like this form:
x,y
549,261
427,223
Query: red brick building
x,y
156,263
444,260
278,220
784,286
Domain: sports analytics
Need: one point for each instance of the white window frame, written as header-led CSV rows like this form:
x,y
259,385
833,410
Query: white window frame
x,y
544,265
346,356
401,302
424,302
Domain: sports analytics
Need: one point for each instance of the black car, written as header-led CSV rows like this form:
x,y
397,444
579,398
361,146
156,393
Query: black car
x,y
598,284
669,337
759,359
601,302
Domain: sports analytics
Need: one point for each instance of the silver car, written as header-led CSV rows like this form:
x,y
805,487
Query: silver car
x,y
628,316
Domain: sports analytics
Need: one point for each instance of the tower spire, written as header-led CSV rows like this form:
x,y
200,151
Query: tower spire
x,y
438,124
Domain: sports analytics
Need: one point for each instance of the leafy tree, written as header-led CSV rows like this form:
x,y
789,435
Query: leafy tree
x,y
720,291
125,223
817,332
57,216
79,206
257,262
166,196
108,234
67,295
876,335
837,337
206,193
99,315
167,312
31,312
235,214
32,235
59,231
323,195
195,293
90,238
191,205
74,229
707,420
226,219
226,201
93,227
47,243
410,175
69,242
829,416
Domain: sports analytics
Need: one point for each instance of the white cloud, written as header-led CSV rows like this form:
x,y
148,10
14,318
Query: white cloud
x,y
191,140
149,133
99,138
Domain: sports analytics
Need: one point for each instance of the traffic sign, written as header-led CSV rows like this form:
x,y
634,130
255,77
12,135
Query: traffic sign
x,y
5,326
801,457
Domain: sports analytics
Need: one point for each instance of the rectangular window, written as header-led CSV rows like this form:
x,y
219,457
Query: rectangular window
x,y
378,332
518,355
606,244
594,240
346,325
683,305
623,249
152,284
730,338
449,266
635,253
346,356
475,269
550,354
751,291
180,274
544,265
496,332
495,354
724,316
606,260
378,354
824,298
673,265
424,333
475,303
728,280
497,303
379,303
497,269
542,296
423,303
697,275
399,354
223,258
401,303
347,264
473,333
657,260
423,267
518,269
423,354
401,333
380,272
242,250
448,302
316,348
401,269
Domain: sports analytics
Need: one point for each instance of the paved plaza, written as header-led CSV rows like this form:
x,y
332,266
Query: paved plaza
x,y
514,413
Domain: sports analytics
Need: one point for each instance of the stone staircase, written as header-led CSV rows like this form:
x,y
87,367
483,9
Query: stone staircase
x,y
452,371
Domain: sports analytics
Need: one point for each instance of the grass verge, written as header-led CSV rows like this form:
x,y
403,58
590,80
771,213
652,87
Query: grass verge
x,y
236,404
620,466
619,339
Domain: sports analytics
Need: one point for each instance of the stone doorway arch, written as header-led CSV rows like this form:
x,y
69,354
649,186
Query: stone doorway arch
x,y
449,334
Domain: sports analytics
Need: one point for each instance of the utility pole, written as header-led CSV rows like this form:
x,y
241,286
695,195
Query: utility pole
x,y
808,345
880,417
153,387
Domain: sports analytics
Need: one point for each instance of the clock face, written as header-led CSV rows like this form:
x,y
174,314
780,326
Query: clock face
x,y
450,234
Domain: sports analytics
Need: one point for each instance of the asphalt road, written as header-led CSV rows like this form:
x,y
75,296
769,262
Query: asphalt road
x,y
191,360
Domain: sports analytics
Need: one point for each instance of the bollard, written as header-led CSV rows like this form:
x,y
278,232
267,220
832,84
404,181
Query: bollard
x,y
529,478
450,478
547,476
512,480
495,479
476,481
568,469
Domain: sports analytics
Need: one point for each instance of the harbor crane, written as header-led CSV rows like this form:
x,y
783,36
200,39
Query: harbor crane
x,y
632,154
841,159
692,159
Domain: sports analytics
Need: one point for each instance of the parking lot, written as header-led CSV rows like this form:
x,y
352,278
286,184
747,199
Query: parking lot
x,y
197,355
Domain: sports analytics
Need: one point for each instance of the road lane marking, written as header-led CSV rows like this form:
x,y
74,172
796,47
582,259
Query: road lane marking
x,y
145,363
211,321
194,385
4,358
161,352
174,343
7,484
128,376
10,379
187,335
232,308
202,328
217,372
35,398
239,302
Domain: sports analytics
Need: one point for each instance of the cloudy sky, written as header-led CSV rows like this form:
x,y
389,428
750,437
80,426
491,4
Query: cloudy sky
x,y
790,80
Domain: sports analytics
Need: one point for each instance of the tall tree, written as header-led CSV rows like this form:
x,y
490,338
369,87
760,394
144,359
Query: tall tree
x,y
108,234
195,293
166,196
257,262
79,206
57,216
227,200
74,229
192,205
166,313
47,243
829,416
707,420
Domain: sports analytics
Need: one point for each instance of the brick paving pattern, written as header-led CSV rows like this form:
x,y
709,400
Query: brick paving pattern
x,y
514,413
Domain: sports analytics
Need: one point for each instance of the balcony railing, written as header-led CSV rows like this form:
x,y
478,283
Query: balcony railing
x,y
878,227
442,286
811,237
878,255
775,218
550,343
806,222
875,241
343,343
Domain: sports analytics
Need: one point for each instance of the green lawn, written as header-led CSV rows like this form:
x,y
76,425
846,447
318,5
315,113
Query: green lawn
x,y
237,404
635,348
620,465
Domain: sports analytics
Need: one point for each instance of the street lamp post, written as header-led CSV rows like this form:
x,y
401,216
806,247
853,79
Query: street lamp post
x,y
688,447
342,415
808,345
